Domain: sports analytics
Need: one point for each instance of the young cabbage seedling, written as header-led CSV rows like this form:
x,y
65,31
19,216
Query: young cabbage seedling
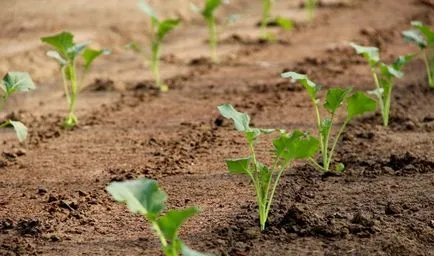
x,y
423,37
15,82
357,103
159,30
287,148
209,16
284,23
144,197
384,76
66,53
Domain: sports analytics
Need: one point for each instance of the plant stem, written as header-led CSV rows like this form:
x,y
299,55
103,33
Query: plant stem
x,y
428,70
387,106
336,141
266,15
155,64
380,98
310,7
73,97
318,123
314,163
159,234
213,38
5,123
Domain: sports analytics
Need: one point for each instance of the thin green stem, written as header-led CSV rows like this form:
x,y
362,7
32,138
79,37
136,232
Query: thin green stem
x,y
159,234
4,124
311,7
314,163
266,16
380,98
387,106
336,141
321,141
428,70
155,64
213,38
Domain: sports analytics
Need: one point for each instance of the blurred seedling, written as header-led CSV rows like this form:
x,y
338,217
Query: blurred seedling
x,y
144,197
12,83
286,24
66,53
287,148
423,37
208,13
159,30
384,76
357,103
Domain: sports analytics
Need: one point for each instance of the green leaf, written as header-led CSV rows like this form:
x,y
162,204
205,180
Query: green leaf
x,y
165,27
335,97
388,71
325,127
296,145
416,37
378,92
77,49
135,47
360,103
371,54
17,82
401,61
146,8
20,130
142,196
286,24
210,7
89,55
57,57
311,87
264,176
62,42
340,167
241,120
186,251
238,166
173,220
425,30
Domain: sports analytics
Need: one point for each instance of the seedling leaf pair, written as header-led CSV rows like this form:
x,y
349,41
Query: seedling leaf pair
x,y
144,197
11,83
65,54
384,76
357,103
287,148
423,37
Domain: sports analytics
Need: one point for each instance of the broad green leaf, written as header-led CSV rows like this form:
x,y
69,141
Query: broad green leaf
x,y
186,251
286,24
20,130
17,82
210,7
142,196
371,54
62,42
425,30
416,37
335,97
238,166
360,103
241,120
388,72
296,145
57,57
311,87
165,27
89,55
173,220
146,8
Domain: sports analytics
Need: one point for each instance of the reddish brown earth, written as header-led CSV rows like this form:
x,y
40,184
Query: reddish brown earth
x,y
52,190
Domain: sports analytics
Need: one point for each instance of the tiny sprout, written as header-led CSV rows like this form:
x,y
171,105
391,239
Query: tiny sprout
x,y
144,197
65,53
310,6
159,29
423,37
357,103
284,23
287,148
384,76
15,82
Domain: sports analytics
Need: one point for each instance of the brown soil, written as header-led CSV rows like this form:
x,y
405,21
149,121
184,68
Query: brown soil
x,y
52,190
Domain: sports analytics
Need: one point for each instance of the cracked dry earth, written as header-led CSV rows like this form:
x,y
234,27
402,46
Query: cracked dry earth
x,y
53,199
